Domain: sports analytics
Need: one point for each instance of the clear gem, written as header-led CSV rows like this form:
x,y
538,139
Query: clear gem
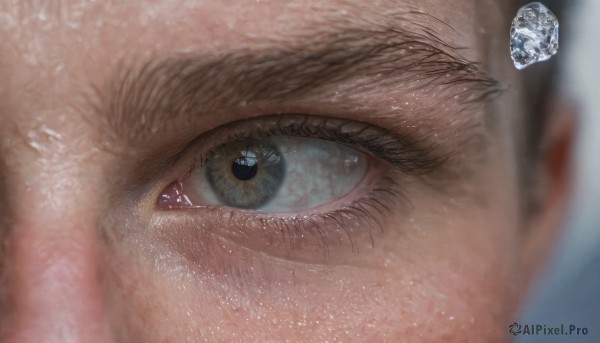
x,y
533,35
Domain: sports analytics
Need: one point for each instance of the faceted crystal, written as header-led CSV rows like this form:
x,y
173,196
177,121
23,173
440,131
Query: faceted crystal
x,y
533,35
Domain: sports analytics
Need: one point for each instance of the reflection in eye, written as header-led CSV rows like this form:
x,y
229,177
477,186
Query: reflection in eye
x,y
279,174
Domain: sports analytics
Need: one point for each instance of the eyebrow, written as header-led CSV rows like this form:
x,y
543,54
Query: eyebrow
x,y
170,89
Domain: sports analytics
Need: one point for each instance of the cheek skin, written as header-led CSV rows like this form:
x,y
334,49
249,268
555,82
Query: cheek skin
x,y
438,275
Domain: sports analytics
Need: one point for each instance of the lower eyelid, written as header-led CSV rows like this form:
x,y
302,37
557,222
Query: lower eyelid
x,y
316,237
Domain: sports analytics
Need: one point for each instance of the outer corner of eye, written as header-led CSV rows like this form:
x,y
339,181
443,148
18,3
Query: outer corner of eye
x,y
173,197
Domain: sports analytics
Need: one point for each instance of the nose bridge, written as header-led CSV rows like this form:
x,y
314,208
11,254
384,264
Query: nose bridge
x,y
51,288
53,269
55,286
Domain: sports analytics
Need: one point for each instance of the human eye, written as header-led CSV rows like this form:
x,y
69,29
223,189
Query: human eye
x,y
275,174
276,183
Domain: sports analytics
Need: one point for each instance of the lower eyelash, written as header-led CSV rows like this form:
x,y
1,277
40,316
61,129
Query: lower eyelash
x,y
354,224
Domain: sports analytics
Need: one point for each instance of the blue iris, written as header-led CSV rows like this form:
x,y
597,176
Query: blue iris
x,y
245,174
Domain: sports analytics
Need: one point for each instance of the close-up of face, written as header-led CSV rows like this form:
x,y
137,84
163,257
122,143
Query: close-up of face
x,y
323,171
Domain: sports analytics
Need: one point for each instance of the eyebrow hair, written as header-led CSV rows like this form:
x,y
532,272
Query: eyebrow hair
x,y
164,90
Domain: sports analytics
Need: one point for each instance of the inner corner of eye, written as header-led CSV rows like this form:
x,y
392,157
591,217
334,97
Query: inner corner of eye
x,y
273,174
173,196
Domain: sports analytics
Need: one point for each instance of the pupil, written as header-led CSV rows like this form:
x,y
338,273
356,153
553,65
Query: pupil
x,y
245,168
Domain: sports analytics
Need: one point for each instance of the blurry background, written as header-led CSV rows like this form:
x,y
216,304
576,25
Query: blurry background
x,y
569,293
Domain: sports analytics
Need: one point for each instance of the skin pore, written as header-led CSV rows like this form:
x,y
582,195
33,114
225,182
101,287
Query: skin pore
x,y
104,105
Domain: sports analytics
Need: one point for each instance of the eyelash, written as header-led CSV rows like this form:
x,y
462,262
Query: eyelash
x,y
352,224
404,153
364,216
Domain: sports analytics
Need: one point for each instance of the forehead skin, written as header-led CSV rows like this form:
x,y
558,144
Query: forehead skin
x,y
57,56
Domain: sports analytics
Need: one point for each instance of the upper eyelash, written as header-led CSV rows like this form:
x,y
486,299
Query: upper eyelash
x,y
406,154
